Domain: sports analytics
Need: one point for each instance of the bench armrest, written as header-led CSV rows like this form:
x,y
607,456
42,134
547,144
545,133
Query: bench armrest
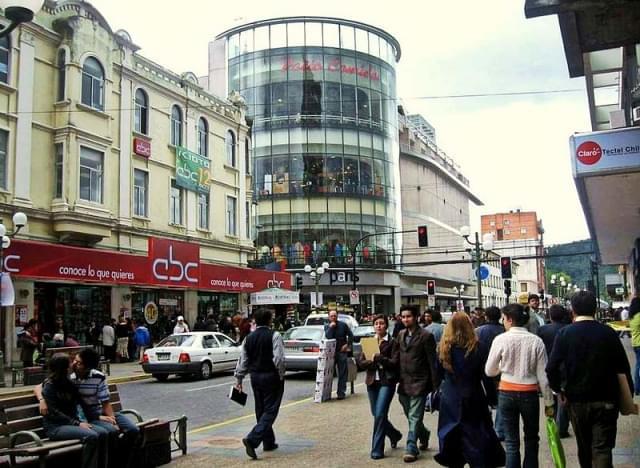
x,y
30,434
137,415
147,422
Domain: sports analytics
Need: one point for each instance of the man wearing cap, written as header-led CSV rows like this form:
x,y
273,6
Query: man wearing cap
x,y
181,326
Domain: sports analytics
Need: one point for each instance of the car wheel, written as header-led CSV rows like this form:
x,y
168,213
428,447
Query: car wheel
x,y
160,377
205,370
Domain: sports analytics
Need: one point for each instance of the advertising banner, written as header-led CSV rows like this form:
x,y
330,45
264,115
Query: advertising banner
x,y
604,152
193,172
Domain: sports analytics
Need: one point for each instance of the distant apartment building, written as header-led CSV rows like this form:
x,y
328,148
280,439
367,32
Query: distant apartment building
x,y
519,234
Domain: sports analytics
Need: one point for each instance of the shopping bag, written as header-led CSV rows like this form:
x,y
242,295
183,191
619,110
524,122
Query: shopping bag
x,y
557,453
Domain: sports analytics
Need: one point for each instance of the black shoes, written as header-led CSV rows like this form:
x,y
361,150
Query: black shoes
x,y
341,397
251,452
270,448
395,440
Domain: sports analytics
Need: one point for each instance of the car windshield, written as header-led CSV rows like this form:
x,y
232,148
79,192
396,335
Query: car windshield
x,y
177,340
317,320
304,334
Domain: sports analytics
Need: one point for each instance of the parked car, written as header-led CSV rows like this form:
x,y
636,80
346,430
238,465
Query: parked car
x,y
363,331
194,353
323,319
302,347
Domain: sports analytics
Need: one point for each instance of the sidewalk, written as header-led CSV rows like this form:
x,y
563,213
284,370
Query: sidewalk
x,y
124,372
338,434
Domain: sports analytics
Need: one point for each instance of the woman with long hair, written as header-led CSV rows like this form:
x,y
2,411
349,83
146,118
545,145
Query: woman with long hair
x,y
61,420
465,429
381,383
634,323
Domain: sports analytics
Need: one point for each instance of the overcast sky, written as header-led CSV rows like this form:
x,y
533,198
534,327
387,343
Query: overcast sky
x,y
514,149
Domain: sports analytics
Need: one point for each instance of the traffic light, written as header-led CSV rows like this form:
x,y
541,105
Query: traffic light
x,y
507,288
505,265
431,288
298,281
423,236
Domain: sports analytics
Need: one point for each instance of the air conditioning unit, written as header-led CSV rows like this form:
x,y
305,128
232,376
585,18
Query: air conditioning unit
x,y
635,113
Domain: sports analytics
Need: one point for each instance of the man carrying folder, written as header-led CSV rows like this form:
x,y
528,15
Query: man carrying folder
x,y
263,358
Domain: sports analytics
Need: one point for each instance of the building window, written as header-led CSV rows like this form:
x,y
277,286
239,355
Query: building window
x,y
247,219
93,84
175,202
492,223
231,216
203,211
4,139
142,112
230,142
176,126
506,222
4,59
62,76
91,175
523,287
523,230
58,170
203,137
507,232
140,193
247,156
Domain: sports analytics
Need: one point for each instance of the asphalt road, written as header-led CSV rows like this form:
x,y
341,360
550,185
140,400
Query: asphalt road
x,y
204,402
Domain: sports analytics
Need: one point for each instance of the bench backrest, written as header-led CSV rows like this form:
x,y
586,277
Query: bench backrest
x,y
70,350
22,413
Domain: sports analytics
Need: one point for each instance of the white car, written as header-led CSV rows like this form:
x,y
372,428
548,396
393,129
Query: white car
x,y
323,319
193,353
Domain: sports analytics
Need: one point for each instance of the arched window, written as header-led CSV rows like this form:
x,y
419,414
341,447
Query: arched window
x,y
141,112
93,84
176,126
4,59
230,143
203,137
62,74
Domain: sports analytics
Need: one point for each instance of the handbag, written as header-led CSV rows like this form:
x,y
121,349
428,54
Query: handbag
x,y
555,445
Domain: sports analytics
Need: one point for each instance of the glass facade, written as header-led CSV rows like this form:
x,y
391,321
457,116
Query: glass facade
x,y
322,95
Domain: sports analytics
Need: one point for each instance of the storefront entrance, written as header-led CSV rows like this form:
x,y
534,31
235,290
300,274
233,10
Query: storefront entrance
x,y
78,306
170,304
218,304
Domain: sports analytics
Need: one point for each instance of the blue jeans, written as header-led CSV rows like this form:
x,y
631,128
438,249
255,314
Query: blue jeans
x,y
498,424
341,365
89,439
413,407
513,405
636,375
120,451
267,393
380,397
562,417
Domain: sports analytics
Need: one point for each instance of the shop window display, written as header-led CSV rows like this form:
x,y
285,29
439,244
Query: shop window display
x,y
170,304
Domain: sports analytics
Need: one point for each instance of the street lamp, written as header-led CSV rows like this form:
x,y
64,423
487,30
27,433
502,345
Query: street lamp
x,y
459,290
478,248
7,296
559,283
315,272
18,11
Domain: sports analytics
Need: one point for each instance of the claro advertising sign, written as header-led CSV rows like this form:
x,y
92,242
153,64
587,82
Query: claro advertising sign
x,y
604,152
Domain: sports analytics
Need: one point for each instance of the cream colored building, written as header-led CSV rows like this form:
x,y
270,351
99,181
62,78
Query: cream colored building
x,y
88,135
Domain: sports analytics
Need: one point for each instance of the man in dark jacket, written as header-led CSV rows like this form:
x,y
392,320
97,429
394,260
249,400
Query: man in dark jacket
x,y
340,331
263,358
414,355
558,316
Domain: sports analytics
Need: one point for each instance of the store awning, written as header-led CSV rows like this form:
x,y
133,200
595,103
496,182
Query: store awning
x,y
275,296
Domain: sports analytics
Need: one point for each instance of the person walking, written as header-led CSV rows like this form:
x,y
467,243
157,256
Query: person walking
x,y
181,325
381,383
436,327
28,343
486,334
586,366
340,331
109,340
536,319
634,324
520,358
548,333
142,339
262,358
61,421
122,339
414,355
465,429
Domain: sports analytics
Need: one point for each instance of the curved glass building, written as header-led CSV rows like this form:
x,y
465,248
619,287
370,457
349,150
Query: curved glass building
x,y
322,96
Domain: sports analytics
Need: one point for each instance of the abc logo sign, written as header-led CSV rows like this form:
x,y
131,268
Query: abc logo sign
x,y
589,153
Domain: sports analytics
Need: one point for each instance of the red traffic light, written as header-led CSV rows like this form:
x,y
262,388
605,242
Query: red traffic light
x,y
423,236
505,266
431,288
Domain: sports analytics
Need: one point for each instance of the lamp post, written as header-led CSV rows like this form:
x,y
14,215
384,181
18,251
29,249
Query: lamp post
x,y
315,272
18,11
560,283
478,248
6,288
459,290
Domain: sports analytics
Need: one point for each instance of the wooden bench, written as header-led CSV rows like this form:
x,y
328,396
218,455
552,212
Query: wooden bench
x,y
23,440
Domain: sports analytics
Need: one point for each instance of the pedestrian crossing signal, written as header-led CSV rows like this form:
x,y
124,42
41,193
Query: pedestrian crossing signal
x,y
431,288
423,237
298,281
505,266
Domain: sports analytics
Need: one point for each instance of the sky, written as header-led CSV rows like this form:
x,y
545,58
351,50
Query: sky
x,y
513,149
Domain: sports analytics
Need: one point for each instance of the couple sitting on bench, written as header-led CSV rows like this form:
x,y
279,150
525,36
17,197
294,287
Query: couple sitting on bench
x,y
77,406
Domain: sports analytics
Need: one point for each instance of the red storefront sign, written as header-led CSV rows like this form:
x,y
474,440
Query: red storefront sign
x,y
169,263
334,65
142,147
